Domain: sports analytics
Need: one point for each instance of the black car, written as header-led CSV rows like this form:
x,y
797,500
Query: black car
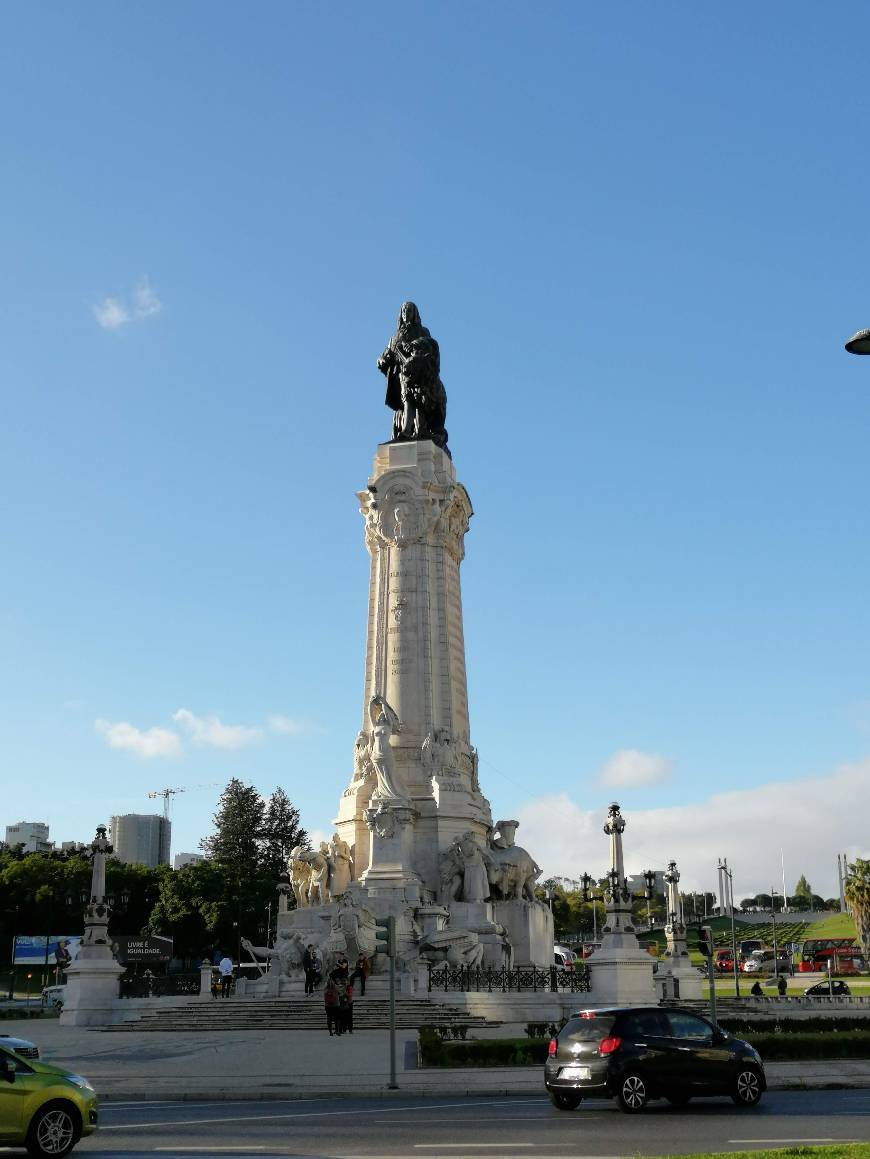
x,y
834,988
634,1054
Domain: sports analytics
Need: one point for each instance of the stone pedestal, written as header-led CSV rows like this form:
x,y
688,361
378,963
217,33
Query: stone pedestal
x,y
529,926
391,849
677,979
91,988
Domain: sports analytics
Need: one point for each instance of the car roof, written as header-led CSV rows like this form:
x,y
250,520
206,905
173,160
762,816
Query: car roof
x,y
596,1010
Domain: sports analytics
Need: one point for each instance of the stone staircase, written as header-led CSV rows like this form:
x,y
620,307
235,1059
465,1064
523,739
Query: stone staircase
x,y
369,1013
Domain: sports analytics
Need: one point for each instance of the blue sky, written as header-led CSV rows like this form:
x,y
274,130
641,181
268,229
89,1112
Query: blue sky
x,y
637,232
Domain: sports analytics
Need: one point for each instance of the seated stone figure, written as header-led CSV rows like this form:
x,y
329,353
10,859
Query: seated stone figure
x,y
288,950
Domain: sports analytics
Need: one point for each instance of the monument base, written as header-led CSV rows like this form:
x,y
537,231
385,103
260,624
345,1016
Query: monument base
x,y
621,975
91,988
529,926
678,978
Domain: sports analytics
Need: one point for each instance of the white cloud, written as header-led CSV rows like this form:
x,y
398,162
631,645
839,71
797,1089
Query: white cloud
x,y
211,732
145,301
285,726
628,768
111,314
145,743
810,820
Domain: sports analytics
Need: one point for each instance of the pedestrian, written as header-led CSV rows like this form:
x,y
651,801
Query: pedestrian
x,y
309,965
756,990
330,1005
226,970
345,1008
340,971
361,970
782,985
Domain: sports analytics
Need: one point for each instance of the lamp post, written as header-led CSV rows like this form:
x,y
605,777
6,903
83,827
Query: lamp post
x,y
585,886
649,877
725,872
773,919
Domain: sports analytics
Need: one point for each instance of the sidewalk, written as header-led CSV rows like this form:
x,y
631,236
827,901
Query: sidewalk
x,y
260,1064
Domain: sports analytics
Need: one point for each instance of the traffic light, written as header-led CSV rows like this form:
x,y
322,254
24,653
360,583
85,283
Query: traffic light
x,y
705,941
385,937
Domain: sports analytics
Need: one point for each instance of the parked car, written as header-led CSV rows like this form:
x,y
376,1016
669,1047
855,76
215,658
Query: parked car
x,y
835,988
19,1045
564,957
635,1054
43,1108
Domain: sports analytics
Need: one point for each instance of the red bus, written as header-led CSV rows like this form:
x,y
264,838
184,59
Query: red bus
x,y
843,954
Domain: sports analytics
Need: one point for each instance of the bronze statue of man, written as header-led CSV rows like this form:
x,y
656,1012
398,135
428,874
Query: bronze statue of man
x,y
415,392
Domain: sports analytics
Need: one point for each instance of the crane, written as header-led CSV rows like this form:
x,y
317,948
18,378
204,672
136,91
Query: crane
x,y
167,793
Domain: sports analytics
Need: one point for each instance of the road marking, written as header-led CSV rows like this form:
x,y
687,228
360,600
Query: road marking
x,y
477,1146
498,1119
304,1115
800,1139
242,1150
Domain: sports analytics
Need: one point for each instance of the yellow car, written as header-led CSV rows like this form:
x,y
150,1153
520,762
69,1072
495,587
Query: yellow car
x,y
43,1108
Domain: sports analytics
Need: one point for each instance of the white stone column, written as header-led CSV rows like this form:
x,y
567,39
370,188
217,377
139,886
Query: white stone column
x,y
676,977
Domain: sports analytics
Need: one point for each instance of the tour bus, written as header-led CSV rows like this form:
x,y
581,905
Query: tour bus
x,y
844,955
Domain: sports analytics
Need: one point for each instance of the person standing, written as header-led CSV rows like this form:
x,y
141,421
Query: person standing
x,y
226,969
346,1008
309,965
330,1005
782,985
361,971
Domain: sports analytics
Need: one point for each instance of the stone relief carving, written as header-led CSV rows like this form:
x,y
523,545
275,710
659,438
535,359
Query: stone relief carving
x,y
512,870
439,752
362,761
353,929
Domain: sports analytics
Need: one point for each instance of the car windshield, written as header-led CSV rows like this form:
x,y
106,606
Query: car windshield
x,y
588,1027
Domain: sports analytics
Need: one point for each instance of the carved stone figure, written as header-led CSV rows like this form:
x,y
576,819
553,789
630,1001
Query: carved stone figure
x,y
512,870
454,946
451,868
384,724
362,761
339,856
318,885
288,950
475,878
353,929
415,392
439,751
300,875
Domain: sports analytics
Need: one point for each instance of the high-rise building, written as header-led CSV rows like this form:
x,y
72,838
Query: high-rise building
x,y
182,859
141,838
32,835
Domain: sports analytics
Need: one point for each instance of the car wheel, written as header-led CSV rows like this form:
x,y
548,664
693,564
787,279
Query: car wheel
x,y
565,1100
678,1100
632,1094
54,1130
747,1087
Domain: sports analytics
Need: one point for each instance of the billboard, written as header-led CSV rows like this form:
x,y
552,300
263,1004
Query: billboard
x,y
142,949
29,950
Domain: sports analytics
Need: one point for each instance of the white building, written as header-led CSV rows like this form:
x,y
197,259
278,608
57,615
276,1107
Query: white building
x,y
141,838
32,835
182,859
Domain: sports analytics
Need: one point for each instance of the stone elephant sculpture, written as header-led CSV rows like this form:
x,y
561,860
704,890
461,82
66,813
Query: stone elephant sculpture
x,y
512,873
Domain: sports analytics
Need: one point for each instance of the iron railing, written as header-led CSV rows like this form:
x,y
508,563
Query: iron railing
x,y
507,980
159,985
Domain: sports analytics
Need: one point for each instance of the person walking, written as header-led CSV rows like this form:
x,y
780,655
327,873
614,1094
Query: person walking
x,y
345,1007
330,1005
309,965
361,970
226,971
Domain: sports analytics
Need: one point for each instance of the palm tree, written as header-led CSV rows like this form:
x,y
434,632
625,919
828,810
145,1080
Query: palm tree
x,y
857,890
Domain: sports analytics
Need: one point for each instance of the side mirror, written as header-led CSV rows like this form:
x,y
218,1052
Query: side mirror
x,y
7,1070
720,1035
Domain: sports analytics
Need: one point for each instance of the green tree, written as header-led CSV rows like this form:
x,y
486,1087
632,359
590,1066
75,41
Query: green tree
x,y
802,889
857,890
238,825
281,832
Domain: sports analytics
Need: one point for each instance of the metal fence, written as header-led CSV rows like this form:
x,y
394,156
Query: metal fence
x,y
159,985
515,979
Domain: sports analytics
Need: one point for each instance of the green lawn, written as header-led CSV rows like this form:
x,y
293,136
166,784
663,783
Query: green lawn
x,y
838,1151
860,987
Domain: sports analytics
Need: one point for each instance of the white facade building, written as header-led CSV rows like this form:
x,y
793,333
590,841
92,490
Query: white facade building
x,y
141,838
33,835
182,859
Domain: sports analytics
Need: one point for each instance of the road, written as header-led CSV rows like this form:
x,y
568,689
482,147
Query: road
x,y
527,1127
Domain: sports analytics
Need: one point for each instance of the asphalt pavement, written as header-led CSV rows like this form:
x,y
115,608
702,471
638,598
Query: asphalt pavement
x,y
401,1127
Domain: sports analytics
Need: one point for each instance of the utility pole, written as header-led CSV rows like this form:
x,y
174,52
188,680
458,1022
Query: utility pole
x,y
726,887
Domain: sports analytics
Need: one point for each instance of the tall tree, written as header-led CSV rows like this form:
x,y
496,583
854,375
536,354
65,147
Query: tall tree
x,y
238,825
281,832
857,891
802,889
